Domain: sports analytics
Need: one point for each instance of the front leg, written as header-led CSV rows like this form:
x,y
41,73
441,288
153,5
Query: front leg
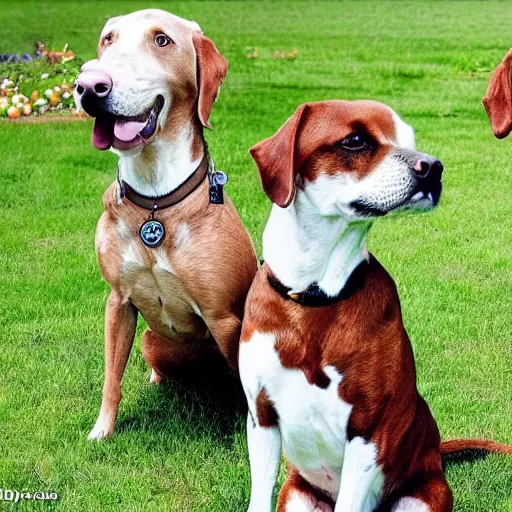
x,y
264,445
120,325
263,436
360,471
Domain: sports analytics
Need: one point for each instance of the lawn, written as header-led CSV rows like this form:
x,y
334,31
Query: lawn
x,y
178,449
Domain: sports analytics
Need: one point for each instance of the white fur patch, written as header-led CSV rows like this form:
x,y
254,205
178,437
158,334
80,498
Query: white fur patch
x,y
409,504
131,256
404,133
361,479
122,229
297,502
171,165
162,263
303,246
182,235
195,308
154,377
312,421
101,239
104,427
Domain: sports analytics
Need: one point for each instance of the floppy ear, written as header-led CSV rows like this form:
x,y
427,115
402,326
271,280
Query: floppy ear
x,y
498,99
104,30
277,162
212,68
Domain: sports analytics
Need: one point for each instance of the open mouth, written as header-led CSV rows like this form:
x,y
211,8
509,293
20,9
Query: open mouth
x,y
424,199
126,132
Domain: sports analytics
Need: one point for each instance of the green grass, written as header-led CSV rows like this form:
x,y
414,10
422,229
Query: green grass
x,y
177,450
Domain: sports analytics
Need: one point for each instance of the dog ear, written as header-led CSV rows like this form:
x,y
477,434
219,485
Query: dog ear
x,y
277,162
498,99
212,68
104,30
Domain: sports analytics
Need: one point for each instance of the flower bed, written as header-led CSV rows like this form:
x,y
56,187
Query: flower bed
x,y
38,87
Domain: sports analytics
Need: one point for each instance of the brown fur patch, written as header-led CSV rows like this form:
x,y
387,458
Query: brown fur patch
x,y
267,416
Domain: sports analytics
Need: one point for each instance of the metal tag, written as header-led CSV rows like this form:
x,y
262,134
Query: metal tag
x,y
217,181
152,233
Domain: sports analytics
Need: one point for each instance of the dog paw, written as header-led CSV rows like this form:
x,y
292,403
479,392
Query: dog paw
x,y
99,432
155,378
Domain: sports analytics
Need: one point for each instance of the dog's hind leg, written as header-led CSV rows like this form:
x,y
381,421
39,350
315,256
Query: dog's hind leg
x,y
180,360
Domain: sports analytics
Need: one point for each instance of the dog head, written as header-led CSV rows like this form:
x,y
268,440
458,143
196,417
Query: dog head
x,y
351,158
151,66
498,99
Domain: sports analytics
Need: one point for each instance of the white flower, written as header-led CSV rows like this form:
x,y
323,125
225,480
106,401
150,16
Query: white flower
x,y
56,88
44,76
48,93
66,95
40,102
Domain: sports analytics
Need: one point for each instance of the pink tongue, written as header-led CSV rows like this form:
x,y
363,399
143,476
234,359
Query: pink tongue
x,y
127,130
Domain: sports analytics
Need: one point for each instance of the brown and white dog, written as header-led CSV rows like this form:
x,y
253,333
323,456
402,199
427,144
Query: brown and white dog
x,y
325,361
498,98
151,90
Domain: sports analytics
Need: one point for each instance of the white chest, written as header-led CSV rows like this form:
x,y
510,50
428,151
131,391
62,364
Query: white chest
x,y
312,421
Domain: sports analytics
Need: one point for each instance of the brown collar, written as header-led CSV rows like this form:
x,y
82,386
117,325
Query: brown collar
x,y
170,199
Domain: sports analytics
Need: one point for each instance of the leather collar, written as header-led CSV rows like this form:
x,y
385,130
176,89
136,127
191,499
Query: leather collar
x,y
170,199
314,296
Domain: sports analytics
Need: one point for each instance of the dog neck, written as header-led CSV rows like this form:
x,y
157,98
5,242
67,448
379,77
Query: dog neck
x,y
164,164
303,247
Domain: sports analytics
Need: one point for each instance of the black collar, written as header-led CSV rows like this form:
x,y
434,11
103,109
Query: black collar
x,y
314,296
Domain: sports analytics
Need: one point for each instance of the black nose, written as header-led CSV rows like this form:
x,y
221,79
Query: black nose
x,y
92,104
427,165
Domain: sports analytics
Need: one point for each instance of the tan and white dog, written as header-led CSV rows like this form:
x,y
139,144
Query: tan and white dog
x,y
325,361
151,90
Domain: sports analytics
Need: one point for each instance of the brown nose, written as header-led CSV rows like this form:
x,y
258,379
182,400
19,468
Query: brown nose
x,y
427,164
94,81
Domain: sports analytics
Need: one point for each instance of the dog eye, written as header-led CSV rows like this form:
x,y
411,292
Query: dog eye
x,y
162,40
355,142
